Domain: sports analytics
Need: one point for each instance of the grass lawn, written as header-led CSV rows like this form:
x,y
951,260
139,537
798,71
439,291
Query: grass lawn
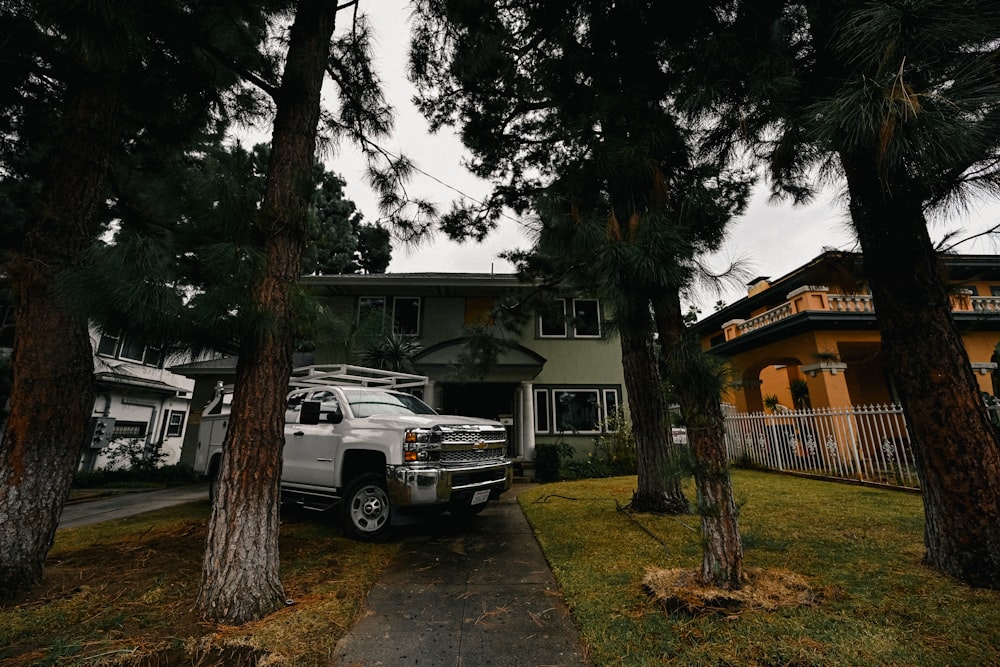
x,y
860,549
122,592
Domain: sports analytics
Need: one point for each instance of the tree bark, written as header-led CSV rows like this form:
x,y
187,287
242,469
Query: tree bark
x,y
956,448
660,464
53,366
240,575
698,393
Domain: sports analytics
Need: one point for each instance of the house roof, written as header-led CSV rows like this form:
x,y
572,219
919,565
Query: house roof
x,y
416,284
227,365
112,380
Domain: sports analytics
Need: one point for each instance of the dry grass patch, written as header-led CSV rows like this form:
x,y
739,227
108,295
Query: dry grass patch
x,y
680,590
123,593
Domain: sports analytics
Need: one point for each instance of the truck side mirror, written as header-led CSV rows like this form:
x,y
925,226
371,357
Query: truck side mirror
x,y
309,413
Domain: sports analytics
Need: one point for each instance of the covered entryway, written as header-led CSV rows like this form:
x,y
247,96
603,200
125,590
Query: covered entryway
x,y
504,392
489,400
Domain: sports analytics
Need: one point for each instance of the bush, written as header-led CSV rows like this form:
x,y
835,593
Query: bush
x,y
590,469
548,460
129,464
616,448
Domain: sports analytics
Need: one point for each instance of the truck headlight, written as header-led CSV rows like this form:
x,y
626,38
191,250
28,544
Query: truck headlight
x,y
417,442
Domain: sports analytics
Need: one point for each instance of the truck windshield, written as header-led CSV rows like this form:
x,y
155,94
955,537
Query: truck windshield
x,y
370,403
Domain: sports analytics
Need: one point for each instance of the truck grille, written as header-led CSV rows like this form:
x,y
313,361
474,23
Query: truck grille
x,y
458,456
469,436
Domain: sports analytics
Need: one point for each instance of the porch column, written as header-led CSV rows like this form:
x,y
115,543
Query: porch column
x,y
746,395
430,395
827,385
527,426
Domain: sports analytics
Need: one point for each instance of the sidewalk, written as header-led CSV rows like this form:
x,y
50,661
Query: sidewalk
x,y
466,595
119,506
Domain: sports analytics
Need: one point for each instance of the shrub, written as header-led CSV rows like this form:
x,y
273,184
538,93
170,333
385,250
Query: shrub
x,y
549,458
616,448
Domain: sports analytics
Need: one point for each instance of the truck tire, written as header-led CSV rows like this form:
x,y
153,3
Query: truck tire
x,y
365,510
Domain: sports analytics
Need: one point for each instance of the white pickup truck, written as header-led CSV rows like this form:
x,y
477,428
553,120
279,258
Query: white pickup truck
x,y
354,437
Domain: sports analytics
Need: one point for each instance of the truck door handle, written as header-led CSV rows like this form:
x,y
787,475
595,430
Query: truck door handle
x,y
298,433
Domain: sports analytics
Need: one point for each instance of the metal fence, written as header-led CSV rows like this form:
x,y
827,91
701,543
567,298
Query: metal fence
x,y
865,443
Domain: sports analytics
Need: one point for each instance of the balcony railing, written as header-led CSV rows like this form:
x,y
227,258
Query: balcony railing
x,y
818,298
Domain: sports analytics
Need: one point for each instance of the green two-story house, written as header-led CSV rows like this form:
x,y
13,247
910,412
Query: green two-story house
x,y
557,374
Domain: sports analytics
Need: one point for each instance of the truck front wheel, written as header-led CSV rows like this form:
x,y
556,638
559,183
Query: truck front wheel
x,y
365,509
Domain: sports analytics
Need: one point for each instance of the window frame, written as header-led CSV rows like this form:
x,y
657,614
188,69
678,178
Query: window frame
x,y
597,318
175,429
386,308
115,346
562,316
546,396
416,315
130,430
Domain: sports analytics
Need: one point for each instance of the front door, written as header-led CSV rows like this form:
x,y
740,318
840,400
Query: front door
x,y
489,400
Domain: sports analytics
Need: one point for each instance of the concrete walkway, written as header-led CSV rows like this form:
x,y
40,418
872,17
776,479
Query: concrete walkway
x,y
464,596
128,504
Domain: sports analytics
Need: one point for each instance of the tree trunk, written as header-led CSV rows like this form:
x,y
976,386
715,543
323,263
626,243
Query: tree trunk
x,y
53,365
956,447
660,463
698,392
240,576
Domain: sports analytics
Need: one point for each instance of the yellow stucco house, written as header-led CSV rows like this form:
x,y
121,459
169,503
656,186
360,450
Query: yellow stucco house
x,y
813,333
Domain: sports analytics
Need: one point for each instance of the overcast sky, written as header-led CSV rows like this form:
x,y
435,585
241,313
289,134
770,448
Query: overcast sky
x,y
773,239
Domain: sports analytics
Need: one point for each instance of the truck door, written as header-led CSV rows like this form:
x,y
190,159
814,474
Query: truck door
x,y
311,448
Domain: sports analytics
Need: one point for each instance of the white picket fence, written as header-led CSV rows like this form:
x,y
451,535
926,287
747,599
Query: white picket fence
x,y
864,443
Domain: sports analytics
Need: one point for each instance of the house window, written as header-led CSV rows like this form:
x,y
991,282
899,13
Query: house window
x,y
610,408
542,411
108,345
406,315
574,409
552,320
586,318
125,429
129,348
175,424
405,312
371,307
994,290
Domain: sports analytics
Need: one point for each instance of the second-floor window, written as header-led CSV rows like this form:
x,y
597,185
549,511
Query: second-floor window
x,y
402,311
130,348
583,321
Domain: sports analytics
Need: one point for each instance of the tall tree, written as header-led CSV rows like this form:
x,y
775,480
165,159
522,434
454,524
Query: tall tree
x,y
81,82
240,576
902,101
568,108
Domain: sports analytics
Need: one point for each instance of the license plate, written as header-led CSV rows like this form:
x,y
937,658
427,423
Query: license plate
x,y
480,497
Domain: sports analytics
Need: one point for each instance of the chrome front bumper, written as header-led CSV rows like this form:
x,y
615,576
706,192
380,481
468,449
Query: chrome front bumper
x,y
437,485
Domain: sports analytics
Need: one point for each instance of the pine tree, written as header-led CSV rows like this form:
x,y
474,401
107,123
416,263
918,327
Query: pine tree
x,y
82,82
902,102
568,107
